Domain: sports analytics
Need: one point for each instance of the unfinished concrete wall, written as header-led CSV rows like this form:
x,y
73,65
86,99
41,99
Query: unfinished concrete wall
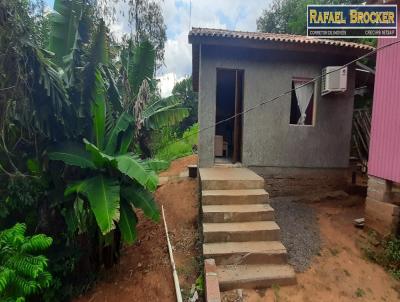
x,y
302,181
382,206
268,138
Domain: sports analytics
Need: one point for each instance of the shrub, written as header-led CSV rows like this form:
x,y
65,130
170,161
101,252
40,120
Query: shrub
x,y
386,254
392,255
23,271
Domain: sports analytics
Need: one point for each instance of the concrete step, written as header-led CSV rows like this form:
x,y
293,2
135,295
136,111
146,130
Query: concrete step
x,y
219,197
241,231
230,179
254,276
251,252
237,213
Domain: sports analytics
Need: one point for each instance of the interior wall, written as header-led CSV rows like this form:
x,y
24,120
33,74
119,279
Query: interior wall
x,y
268,138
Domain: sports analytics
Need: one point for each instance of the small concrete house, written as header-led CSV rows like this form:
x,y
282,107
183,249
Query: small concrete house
x,y
302,137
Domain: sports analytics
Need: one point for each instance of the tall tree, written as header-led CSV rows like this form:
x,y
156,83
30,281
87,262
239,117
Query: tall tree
x,y
147,23
290,16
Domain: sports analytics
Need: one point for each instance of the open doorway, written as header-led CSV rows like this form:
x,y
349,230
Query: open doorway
x,y
228,134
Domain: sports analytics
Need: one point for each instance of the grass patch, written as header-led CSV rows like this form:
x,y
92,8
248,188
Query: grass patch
x,y
386,253
181,147
359,293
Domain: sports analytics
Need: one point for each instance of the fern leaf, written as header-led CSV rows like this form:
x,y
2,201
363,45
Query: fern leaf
x,y
37,243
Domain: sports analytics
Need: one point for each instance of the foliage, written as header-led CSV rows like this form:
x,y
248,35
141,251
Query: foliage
x,y
23,271
147,23
117,183
140,65
385,253
64,22
392,256
107,189
183,91
290,17
60,82
151,112
173,147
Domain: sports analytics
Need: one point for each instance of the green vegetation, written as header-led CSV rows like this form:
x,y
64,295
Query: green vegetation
x,y
23,271
392,256
360,293
386,253
78,109
290,17
183,91
177,147
180,139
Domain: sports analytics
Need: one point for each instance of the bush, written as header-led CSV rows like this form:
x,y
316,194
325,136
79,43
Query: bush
x,y
392,256
23,271
181,147
386,254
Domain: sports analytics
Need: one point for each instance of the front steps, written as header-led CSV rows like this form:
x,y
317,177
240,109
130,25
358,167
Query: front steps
x,y
239,230
253,252
230,179
249,196
254,276
237,213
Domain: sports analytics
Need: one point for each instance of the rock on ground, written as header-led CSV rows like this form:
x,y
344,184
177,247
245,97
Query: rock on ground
x,y
299,231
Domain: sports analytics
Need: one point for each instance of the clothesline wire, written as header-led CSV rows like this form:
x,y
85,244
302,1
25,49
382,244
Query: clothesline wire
x,y
281,95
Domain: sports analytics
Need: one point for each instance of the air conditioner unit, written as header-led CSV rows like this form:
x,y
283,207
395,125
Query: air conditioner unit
x,y
334,79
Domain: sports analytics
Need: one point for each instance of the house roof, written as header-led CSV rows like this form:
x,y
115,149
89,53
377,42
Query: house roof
x,y
197,35
269,41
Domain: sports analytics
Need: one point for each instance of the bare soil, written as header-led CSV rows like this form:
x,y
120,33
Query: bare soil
x,y
180,165
144,272
340,272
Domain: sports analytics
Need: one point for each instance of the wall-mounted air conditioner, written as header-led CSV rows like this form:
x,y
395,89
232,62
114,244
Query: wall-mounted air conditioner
x,y
334,79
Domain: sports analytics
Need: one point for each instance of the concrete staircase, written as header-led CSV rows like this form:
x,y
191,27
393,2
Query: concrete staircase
x,y
239,230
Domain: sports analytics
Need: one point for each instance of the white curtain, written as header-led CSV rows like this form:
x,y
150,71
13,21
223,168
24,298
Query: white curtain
x,y
303,95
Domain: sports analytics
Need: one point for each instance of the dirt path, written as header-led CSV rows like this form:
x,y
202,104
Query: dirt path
x,y
339,272
144,273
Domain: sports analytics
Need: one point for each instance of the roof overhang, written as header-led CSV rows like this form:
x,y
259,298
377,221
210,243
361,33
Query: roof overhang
x,y
266,41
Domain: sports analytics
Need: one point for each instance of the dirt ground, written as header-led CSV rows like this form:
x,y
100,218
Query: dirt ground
x,y
144,273
179,165
340,272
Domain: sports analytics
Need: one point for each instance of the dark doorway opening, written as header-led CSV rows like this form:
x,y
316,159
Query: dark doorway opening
x,y
228,134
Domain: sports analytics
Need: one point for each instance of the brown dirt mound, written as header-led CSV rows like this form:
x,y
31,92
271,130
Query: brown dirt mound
x,y
180,165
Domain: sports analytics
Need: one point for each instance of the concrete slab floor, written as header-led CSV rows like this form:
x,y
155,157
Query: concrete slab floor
x,y
228,174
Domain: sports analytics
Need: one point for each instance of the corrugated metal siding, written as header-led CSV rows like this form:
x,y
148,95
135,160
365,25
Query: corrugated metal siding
x,y
384,155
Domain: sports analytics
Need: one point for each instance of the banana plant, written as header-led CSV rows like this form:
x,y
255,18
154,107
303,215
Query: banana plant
x,y
117,182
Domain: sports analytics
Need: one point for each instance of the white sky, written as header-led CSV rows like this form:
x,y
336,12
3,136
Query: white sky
x,y
225,14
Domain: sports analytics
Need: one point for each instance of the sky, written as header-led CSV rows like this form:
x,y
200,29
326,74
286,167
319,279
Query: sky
x,y
224,14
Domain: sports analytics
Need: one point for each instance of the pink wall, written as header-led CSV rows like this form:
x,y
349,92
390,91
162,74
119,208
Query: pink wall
x,y
384,154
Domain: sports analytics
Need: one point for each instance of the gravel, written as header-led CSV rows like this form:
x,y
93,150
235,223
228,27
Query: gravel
x,y
299,231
